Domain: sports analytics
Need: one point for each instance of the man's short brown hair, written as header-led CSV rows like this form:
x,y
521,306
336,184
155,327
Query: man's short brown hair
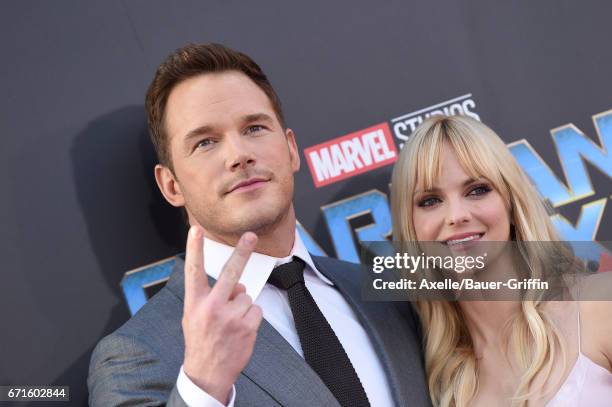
x,y
189,61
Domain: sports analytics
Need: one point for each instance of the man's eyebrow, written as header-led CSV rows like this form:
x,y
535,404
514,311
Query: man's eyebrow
x,y
467,182
249,118
198,131
255,117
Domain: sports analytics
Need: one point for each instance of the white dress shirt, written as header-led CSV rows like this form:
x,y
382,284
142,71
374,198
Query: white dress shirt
x,y
276,310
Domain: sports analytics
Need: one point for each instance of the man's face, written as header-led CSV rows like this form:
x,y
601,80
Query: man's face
x,y
233,162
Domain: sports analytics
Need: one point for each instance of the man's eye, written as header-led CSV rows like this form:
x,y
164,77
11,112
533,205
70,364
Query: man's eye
x,y
428,202
204,143
254,129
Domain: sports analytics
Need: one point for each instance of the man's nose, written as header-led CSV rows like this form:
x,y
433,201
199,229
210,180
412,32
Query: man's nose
x,y
457,212
238,154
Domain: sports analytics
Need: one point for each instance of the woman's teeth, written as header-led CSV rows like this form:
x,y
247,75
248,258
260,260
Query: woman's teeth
x,y
465,239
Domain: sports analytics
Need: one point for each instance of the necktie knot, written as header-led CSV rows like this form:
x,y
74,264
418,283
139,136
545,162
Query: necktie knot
x,y
287,275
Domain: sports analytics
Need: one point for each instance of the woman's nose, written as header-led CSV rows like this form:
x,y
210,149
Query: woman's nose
x,y
457,212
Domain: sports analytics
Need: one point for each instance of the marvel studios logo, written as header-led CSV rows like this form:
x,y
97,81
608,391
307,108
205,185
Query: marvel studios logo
x,y
404,125
364,150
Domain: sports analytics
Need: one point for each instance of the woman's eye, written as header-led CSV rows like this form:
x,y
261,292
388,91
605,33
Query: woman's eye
x,y
428,202
480,190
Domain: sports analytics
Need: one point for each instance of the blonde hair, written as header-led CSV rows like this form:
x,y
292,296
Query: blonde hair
x,y
450,361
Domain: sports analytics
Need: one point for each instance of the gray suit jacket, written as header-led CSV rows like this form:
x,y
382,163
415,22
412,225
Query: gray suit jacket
x,y
139,363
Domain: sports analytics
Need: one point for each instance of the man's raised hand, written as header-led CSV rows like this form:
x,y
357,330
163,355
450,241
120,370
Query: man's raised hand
x,y
219,323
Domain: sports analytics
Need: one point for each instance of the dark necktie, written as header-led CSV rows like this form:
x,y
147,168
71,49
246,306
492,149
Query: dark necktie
x,y
322,349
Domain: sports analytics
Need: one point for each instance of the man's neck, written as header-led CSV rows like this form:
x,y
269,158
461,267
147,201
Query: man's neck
x,y
275,241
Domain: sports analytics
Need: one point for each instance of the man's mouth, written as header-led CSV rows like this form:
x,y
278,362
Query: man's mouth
x,y
250,184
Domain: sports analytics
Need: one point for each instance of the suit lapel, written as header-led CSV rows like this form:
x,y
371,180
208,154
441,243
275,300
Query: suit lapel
x,y
278,369
393,335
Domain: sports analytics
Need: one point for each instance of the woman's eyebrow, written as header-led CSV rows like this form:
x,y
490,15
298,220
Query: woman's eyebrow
x,y
465,183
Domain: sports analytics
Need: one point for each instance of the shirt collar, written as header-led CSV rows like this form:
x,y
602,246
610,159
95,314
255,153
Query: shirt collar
x,y
259,266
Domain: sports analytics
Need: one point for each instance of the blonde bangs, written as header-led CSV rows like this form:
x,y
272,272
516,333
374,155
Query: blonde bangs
x,y
473,151
428,164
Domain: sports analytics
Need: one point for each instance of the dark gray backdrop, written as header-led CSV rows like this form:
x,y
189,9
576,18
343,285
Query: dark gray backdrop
x,y
79,206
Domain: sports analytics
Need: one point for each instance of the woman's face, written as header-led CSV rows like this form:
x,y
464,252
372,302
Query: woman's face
x,y
459,209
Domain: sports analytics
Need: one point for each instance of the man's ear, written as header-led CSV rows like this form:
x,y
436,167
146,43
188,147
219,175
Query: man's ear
x,y
169,186
294,154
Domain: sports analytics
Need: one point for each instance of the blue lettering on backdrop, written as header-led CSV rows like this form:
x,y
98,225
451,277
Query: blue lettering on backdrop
x,y
585,229
136,281
540,173
572,146
339,214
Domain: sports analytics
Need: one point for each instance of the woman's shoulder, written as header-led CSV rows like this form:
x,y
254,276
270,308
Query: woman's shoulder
x,y
595,286
596,331
595,298
596,318
592,317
